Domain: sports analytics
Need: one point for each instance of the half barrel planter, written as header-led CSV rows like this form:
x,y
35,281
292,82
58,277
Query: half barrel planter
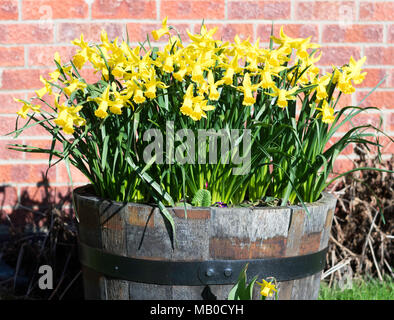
x,y
126,251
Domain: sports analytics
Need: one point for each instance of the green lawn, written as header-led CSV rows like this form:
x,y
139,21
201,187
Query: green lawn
x,y
367,289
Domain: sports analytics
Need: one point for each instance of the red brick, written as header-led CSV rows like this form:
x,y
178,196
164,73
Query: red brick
x,y
391,33
36,196
325,10
387,146
24,173
8,196
89,75
227,32
373,119
379,99
348,150
138,31
7,154
62,175
7,125
338,56
390,122
292,30
70,31
22,79
344,101
342,165
380,55
43,196
26,33
390,80
44,56
12,57
63,195
128,9
7,103
192,9
373,77
49,9
32,96
377,11
352,33
259,10
9,10
44,144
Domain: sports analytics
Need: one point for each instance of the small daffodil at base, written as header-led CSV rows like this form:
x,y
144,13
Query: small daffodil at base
x,y
267,288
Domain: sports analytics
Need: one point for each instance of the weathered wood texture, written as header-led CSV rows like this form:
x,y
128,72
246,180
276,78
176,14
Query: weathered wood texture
x,y
139,231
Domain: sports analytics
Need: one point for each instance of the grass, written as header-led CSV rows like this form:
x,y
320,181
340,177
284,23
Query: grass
x,y
365,289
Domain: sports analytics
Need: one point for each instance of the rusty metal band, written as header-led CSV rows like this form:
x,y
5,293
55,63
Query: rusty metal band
x,y
194,273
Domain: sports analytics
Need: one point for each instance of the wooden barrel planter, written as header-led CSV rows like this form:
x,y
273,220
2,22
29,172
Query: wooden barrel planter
x,y
126,251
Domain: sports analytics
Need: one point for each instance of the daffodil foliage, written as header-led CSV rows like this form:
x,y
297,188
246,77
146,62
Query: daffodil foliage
x,y
275,90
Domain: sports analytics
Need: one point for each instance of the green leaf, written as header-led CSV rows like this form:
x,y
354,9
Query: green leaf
x,y
202,198
150,182
242,291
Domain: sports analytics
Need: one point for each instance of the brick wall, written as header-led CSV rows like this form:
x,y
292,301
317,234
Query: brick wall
x,y
31,31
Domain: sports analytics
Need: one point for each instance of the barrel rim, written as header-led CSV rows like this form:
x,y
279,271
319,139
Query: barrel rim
x,y
325,198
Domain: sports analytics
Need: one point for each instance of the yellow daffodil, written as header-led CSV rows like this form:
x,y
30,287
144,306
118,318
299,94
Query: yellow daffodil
x,y
54,75
231,69
267,288
188,97
335,74
266,75
26,108
213,91
354,70
152,84
82,55
326,112
345,84
300,44
180,74
46,89
80,58
197,73
283,96
157,34
303,46
168,65
194,107
116,104
321,83
247,88
101,111
73,85
204,38
68,117
138,96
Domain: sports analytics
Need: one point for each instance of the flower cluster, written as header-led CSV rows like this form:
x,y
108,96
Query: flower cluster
x,y
203,71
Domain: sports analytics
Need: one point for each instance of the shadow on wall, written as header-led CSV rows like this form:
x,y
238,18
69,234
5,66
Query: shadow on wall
x,y
39,230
